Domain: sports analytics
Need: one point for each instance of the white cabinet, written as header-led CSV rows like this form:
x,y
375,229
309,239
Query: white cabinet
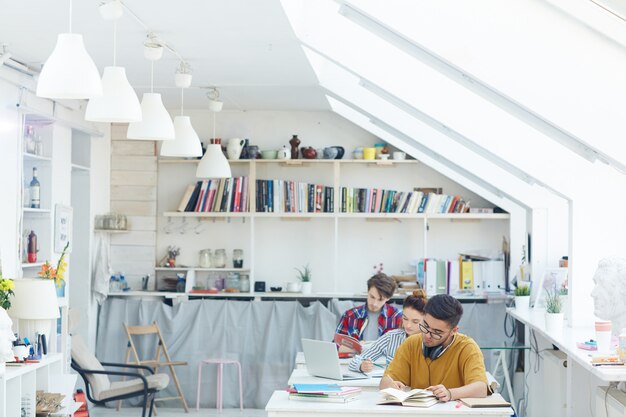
x,y
341,248
19,384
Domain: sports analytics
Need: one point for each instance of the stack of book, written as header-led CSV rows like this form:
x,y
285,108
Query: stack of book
x,y
331,393
414,398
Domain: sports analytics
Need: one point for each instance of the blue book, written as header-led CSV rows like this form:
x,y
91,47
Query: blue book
x,y
316,387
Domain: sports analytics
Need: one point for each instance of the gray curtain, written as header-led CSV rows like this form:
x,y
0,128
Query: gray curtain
x,y
263,336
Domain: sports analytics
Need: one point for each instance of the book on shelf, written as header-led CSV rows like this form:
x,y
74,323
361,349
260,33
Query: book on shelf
x,y
415,398
491,401
186,196
226,195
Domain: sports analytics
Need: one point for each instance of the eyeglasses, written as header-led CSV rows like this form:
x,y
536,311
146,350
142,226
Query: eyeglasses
x,y
425,329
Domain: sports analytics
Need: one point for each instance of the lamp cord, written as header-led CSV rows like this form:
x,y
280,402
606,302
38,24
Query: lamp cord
x,y
114,40
181,100
70,16
151,76
213,125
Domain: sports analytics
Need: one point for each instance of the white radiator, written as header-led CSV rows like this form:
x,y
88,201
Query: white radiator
x,y
614,402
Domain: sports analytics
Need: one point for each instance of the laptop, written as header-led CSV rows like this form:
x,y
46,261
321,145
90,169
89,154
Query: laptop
x,y
322,360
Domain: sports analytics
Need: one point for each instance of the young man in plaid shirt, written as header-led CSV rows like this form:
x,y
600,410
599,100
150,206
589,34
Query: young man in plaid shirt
x,y
375,317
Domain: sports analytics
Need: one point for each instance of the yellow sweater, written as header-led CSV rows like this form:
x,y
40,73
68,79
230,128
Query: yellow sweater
x,y
461,364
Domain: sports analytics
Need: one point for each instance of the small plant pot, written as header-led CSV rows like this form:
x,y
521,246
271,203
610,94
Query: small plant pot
x,y
293,286
307,287
522,302
554,323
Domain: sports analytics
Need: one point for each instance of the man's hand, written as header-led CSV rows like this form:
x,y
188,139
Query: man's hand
x,y
367,365
387,382
442,393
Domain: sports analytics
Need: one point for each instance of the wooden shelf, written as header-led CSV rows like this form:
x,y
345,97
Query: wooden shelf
x,y
110,231
28,210
399,216
32,265
33,157
297,162
193,268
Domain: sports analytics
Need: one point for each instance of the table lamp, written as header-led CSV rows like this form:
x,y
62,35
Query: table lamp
x,y
34,301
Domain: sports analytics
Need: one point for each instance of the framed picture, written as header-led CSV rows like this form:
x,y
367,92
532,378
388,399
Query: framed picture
x,y
553,279
62,227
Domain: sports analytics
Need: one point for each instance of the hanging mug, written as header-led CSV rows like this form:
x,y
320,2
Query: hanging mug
x,y
234,147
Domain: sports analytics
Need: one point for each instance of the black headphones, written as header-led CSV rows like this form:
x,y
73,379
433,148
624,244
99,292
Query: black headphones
x,y
432,352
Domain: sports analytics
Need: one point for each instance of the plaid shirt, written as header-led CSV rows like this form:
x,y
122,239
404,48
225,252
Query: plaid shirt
x,y
352,320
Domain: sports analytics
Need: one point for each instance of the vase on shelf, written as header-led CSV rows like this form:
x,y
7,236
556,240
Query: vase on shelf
x,y
554,323
294,142
522,302
307,287
60,289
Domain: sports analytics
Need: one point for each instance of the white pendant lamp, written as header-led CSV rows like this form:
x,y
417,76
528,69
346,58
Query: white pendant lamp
x,y
69,72
214,164
186,142
119,102
156,123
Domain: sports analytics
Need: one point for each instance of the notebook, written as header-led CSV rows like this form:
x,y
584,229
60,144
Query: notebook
x,y
322,360
494,400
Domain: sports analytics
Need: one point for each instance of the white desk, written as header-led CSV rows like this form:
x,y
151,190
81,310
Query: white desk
x,y
566,341
365,406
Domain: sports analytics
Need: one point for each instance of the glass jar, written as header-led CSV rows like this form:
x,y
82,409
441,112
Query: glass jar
x,y
205,258
232,282
244,283
219,282
219,258
237,258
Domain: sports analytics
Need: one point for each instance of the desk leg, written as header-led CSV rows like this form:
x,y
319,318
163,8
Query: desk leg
x,y
505,371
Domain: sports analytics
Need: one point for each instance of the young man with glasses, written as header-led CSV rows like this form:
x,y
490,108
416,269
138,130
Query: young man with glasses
x,y
439,359
375,317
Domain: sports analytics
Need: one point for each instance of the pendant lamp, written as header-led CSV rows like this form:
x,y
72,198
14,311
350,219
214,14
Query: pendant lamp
x,y
119,102
214,164
156,123
69,72
186,142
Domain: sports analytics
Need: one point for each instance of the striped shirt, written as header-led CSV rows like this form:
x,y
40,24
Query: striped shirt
x,y
386,345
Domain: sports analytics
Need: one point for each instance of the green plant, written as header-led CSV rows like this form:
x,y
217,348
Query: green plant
x,y
304,274
522,291
554,304
6,291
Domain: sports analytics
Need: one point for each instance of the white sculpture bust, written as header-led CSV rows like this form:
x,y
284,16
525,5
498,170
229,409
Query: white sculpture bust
x,y
6,337
609,292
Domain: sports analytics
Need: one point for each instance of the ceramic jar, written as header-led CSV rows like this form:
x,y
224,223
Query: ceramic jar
x,y
234,147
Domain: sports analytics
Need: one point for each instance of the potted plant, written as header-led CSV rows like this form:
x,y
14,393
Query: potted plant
x,y
304,275
522,297
554,315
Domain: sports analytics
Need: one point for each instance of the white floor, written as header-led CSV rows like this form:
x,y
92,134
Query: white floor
x,y
178,412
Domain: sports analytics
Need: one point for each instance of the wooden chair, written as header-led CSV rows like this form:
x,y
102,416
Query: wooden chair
x,y
156,362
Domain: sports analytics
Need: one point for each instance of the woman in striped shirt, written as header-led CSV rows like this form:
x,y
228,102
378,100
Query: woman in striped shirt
x,y
387,344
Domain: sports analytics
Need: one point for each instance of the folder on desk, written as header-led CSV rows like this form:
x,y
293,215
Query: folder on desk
x,y
494,400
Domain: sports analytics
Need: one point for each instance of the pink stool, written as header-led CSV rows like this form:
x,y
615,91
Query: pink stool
x,y
220,363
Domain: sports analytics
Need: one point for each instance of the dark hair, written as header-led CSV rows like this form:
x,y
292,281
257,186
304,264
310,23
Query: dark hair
x,y
416,301
385,285
445,307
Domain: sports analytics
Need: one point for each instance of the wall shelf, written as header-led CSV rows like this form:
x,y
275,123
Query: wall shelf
x,y
399,216
28,210
192,268
38,158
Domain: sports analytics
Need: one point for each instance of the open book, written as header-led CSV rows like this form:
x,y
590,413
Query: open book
x,y
348,341
414,398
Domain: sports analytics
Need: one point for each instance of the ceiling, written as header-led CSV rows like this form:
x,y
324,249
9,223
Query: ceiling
x,y
245,48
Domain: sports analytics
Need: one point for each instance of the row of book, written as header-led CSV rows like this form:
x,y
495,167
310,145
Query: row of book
x,y
439,276
216,195
283,196
231,195
331,393
376,200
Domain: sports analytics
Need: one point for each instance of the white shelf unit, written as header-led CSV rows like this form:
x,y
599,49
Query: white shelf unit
x,y
19,385
331,233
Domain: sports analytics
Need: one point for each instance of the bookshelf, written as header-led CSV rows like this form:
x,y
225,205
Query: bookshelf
x,y
332,234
